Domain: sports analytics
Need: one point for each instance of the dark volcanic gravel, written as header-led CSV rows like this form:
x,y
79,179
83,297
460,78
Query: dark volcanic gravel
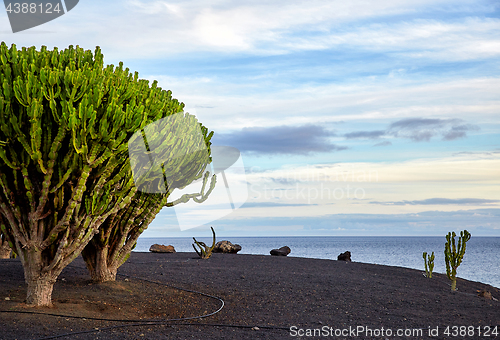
x,y
271,293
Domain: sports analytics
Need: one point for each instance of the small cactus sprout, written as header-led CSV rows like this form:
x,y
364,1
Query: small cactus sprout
x,y
454,255
429,264
205,252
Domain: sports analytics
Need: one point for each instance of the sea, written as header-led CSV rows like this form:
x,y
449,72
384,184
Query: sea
x,y
481,262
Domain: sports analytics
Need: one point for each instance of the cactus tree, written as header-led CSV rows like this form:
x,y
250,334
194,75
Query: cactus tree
x,y
117,236
454,255
428,264
65,122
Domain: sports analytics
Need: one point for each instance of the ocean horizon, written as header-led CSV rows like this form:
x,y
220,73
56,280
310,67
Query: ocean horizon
x,y
480,262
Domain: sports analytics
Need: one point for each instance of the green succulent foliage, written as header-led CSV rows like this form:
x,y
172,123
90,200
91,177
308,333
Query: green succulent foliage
x,y
65,122
454,254
179,141
119,233
205,252
429,264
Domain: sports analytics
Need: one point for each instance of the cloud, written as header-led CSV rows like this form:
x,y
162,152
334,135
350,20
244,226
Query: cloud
x,y
365,134
429,223
402,27
485,154
298,140
418,129
459,131
443,201
416,39
271,205
423,129
284,181
384,143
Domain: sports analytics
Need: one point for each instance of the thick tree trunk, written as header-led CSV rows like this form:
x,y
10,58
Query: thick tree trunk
x,y
40,291
4,244
96,259
5,251
40,283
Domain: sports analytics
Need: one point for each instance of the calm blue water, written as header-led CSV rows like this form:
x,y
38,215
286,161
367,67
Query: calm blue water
x,y
481,261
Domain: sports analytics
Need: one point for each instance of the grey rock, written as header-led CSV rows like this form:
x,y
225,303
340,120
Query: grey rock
x,y
226,247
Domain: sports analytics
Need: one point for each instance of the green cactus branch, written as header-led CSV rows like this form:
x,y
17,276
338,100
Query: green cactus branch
x,y
429,264
454,255
205,252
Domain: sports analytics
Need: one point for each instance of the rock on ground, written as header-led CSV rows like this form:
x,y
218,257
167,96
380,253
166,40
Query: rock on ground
x,y
283,251
345,256
226,247
159,248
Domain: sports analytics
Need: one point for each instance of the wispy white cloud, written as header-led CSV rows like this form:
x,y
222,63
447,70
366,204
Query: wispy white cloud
x,y
352,188
443,201
470,38
154,29
382,100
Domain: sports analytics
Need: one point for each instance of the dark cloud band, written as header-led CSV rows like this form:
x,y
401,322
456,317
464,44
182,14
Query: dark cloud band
x,y
291,140
419,129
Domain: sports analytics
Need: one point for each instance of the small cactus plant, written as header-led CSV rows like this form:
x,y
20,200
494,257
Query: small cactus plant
x,y
429,264
454,255
205,251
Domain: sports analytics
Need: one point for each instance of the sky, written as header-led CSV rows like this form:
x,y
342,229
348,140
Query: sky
x,y
352,118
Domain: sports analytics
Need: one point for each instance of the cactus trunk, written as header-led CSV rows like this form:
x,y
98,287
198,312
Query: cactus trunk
x,y
112,246
98,264
39,293
454,284
5,251
40,282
